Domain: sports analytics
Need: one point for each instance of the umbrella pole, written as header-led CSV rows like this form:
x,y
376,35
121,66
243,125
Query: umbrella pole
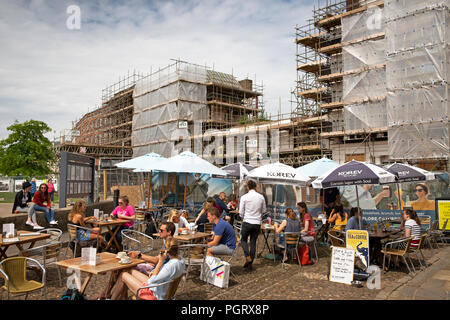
x,y
357,200
276,202
150,203
185,189
399,197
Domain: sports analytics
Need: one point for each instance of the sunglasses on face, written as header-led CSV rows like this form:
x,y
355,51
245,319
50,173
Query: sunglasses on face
x,y
419,190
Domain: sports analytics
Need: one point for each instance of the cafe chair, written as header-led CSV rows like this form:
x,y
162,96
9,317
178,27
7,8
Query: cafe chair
x,y
425,222
193,255
397,248
55,237
77,244
311,242
336,239
13,271
436,234
419,250
139,223
229,258
173,286
291,240
48,255
133,240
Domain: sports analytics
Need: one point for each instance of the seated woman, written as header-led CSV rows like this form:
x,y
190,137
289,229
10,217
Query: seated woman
x,y
291,224
308,230
180,222
125,212
163,272
202,217
339,217
77,217
353,222
412,227
40,197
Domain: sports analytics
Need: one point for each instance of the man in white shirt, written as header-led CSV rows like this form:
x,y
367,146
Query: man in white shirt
x,y
251,208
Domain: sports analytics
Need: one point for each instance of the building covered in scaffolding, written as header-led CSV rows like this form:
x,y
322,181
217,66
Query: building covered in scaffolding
x,y
379,85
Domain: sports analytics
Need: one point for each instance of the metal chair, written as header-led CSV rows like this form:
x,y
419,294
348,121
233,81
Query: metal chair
x,y
193,255
435,233
47,255
419,249
311,242
291,240
55,237
13,271
133,240
73,239
397,248
336,239
229,258
173,286
425,222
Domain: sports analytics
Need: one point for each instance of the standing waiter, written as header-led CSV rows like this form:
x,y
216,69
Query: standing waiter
x,y
251,209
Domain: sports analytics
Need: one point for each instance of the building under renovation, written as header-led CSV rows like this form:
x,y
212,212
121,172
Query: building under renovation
x,y
376,75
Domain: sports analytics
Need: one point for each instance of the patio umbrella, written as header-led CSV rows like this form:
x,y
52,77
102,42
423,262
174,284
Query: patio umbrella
x,y
407,173
317,168
188,162
146,163
236,171
354,173
278,173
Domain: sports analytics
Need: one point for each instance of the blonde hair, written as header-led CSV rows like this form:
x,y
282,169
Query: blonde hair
x,y
172,213
77,209
290,213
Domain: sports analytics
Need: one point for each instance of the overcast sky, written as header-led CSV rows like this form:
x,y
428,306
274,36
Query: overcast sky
x,y
51,73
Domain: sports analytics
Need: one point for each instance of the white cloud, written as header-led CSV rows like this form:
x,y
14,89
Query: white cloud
x,y
54,74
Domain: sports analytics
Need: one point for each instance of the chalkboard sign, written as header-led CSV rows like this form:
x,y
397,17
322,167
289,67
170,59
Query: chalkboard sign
x,y
342,264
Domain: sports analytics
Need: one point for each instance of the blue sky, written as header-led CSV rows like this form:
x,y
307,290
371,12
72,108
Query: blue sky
x,y
53,74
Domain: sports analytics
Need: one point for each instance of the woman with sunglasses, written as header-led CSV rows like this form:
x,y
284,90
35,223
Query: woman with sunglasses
x,y
125,212
40,197
422,203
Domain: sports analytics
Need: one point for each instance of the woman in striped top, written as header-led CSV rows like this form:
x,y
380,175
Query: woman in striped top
x,y
412,227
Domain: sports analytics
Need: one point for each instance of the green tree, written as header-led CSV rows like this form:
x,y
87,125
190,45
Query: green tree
x,y
26,151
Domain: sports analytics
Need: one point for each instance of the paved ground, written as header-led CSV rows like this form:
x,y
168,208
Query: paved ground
x,y
270,281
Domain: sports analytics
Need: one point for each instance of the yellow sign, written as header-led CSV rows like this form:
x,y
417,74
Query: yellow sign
x,y
358,240
444,213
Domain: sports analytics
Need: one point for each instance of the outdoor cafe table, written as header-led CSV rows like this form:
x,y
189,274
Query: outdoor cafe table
x,y
191,236
375,242
266,233
108,263
109,224
22,240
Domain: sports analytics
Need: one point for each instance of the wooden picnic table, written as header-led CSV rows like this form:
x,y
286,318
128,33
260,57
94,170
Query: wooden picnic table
x,y
22,240
108,263
109,224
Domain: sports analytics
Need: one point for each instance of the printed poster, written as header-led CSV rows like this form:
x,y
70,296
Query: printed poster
x,y
443,207
358,240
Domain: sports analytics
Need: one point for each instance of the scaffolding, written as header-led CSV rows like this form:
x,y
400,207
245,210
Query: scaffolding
x,y
171,101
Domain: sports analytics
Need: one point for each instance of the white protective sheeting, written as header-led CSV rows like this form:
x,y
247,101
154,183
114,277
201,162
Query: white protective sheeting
x,y
418,105
363,25
417,30
366,115
368,84
417,74
163,99
363,54
394,9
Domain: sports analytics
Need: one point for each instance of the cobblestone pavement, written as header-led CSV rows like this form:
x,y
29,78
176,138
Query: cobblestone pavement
x,y
267,280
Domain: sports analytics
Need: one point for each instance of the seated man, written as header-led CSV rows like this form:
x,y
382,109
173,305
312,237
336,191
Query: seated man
x,y
23,200
224,237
